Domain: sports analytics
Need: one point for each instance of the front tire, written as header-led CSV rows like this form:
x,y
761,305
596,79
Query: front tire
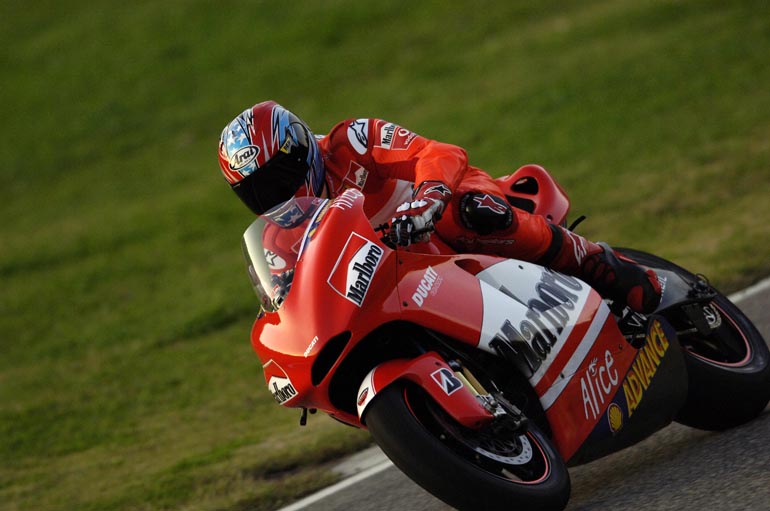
x,y
728,370
465,468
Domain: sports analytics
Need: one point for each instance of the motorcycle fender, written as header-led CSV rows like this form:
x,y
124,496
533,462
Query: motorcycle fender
x,y
434,375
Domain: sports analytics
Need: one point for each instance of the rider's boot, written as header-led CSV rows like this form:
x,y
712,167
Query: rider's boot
x,y
611,274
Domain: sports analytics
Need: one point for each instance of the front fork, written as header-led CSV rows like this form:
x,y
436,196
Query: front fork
x,y
496,404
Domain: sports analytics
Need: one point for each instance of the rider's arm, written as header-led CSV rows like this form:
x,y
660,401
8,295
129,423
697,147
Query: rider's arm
x,y
412,157
393,152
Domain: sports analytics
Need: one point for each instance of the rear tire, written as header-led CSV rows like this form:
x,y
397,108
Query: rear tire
x,y
728,370
465,468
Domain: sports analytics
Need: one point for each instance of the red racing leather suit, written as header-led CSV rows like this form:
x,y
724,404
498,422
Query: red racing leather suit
x,y
385,161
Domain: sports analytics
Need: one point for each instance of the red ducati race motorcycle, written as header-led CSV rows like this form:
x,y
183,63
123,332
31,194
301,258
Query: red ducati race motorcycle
x,y
481,377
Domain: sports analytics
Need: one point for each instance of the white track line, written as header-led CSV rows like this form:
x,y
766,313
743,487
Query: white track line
x,y
383,465
757,288
331,490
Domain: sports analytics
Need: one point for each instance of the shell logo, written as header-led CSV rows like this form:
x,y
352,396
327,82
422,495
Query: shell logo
x,y
615,417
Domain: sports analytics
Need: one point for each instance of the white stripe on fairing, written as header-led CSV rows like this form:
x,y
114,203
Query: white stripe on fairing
x,y
571,367
560,342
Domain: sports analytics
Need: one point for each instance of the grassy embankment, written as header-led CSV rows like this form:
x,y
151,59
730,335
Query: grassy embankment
x,y
126,376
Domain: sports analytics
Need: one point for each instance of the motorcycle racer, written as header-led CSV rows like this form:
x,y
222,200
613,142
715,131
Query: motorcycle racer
x,y
267,154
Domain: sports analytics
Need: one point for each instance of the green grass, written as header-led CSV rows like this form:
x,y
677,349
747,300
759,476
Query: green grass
x,y
127,380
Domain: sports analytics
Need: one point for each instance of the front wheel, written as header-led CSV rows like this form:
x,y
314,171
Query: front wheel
x,y
467,469
728,370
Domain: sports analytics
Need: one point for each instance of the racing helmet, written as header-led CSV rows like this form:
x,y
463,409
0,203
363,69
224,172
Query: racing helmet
x,y
267,153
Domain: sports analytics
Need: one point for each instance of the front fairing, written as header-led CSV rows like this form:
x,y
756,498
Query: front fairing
x,y
345,284
343,287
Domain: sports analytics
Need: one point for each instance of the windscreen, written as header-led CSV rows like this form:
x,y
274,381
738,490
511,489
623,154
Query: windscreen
x,y
273,244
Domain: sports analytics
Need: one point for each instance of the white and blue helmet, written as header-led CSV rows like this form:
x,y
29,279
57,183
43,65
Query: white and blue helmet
x,y
267,153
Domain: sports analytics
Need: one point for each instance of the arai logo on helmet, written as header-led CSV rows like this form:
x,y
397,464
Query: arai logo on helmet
x,y
243,157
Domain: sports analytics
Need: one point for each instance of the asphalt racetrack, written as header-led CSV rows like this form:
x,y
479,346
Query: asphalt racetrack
x,y
678,468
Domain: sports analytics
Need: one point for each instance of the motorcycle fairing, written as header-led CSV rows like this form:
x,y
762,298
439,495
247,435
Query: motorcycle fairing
x,y
437,294
648,396
527,302
318,308
566,331
584,366
597,366
557,321
533,189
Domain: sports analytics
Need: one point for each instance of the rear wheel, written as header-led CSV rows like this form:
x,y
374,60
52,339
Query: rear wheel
x,y
728,369
497,467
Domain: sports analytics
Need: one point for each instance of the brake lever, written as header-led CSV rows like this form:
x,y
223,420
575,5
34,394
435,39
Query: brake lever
x,y
384,229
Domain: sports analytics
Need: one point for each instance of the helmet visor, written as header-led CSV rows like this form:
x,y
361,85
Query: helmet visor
x,y
273,183
280,177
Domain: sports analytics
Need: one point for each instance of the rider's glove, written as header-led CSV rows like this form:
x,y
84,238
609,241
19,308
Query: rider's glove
x,y
414,220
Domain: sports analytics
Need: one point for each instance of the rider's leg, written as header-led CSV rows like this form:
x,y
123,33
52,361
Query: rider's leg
x,y
485,223
610,273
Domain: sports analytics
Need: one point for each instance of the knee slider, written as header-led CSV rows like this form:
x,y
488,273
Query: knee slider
x,y
485,213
